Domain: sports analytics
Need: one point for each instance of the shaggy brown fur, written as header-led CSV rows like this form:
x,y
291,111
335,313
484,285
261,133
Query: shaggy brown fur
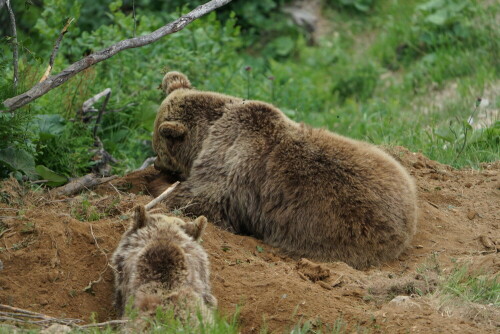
x,y
308,191
160,263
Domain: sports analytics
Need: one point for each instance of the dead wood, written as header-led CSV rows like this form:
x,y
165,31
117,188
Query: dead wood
x,y
148,162
15,314
54,81
163,195
82,183
15,50
56,49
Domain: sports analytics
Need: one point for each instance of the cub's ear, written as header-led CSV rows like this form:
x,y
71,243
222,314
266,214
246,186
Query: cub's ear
x,y
172,129
195,229
140,217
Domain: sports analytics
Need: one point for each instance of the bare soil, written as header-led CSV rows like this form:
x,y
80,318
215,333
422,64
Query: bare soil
x,y
56,264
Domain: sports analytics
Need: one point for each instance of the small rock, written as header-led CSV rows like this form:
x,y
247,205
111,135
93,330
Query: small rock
x,y
418,165
402,300
471,214
487,243
56,329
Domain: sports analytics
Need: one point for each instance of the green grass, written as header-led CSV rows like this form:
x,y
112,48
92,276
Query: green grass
x,y
398,73
472,287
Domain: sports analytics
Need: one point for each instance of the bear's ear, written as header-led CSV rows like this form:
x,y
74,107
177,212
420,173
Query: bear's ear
x,y
195,229
174,80
172,129
140,217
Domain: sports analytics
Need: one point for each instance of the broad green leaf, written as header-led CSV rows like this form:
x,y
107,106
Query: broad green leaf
x,y
47,174
50,125
283,45
438,18
429,5
18,160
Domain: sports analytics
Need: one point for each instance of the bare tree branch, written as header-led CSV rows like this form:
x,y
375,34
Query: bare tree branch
x,y
58,79
15,50
56,49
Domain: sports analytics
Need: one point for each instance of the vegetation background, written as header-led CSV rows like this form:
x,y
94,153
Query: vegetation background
x,y
391,72
424,74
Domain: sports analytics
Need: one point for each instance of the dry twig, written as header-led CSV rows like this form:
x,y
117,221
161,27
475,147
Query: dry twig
x,y
15,50
94,58
163,195
56,49
12,313
105,324
89,287
87,105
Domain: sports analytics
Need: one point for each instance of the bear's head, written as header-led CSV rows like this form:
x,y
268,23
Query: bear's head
x,y
142,219
183,122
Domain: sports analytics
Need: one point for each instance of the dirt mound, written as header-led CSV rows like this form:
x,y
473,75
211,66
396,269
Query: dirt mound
x,y
55,256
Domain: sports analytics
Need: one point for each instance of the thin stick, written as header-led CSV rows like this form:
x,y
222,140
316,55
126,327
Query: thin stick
x,y
89,287
106,323
99,116
17,312
54,81
15,51
56,49
133,14
163,195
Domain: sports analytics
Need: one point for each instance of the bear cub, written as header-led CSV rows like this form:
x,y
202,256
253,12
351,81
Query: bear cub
x,y
250,169
159,262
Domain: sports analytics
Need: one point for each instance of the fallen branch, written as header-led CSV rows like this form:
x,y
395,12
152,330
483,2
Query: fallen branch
x,y
15,51
85,182
56,49
148,162
19,315
54,81
163,195
105,324
87,106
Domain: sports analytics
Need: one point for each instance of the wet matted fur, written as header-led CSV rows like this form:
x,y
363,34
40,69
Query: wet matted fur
x,y
159,262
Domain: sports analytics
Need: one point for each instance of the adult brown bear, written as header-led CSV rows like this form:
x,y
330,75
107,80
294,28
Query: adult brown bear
x,y
250,169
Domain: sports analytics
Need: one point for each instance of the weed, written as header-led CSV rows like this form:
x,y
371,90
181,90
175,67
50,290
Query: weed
x,y
474,287
85,210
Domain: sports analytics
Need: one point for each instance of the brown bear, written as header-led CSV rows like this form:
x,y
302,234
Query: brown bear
x,y
252,170
159,262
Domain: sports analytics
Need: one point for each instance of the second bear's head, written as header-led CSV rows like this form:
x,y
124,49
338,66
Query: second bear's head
x,y
183,122
142,219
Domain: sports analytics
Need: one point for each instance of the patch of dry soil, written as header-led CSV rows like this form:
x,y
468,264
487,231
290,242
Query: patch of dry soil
x,y
56,264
